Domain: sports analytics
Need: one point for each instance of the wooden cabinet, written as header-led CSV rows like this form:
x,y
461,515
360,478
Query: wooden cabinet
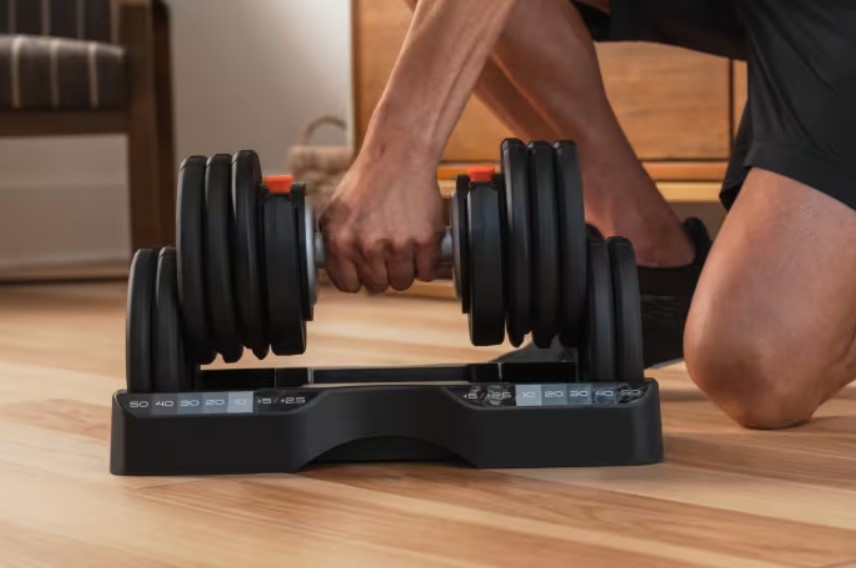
x,y
675,105
672,103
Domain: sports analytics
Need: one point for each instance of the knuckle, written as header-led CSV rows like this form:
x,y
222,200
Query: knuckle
x,y
425,238
401,245
340,241
374,245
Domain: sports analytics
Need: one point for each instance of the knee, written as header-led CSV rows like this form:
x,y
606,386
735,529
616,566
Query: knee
x,y
749,376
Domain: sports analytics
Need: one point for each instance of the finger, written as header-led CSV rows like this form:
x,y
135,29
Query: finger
x,y
344,276
372,268
339,264
401,268
370,278
427,257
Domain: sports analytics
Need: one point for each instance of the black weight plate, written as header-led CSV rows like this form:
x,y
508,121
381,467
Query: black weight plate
x,y
222,315
518,260
191,260
172,370
287,329
628,311
460,234
248,253
597,351
487,304
138,323
298,201
572,242
545,244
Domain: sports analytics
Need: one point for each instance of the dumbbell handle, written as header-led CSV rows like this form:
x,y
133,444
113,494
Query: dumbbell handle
x,y
446,255
283,184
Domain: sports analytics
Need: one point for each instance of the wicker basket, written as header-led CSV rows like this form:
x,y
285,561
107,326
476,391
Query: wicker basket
x,y
320,167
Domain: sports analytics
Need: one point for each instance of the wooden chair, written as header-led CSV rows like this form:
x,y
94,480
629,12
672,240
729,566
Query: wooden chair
x,y
74,67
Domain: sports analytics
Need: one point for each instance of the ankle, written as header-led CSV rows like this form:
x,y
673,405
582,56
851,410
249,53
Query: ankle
x,y
661,245
622,199
659,239
625,201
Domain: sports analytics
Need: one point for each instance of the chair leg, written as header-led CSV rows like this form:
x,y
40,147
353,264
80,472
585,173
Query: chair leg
x,y
143,178
166,133
150,200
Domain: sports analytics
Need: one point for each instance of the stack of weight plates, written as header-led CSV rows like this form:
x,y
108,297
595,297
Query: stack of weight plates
x,y
524,263
241,275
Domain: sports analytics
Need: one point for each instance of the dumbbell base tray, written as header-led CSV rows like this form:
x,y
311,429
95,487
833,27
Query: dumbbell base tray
x,y
238,430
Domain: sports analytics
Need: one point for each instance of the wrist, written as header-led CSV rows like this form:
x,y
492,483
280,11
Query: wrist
x,y
394,155
384,163
396,133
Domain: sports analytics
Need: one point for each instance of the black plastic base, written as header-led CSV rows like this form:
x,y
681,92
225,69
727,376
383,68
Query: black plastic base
x,y
281,420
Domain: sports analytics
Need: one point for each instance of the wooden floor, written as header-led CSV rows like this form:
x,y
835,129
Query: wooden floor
x,y
724,497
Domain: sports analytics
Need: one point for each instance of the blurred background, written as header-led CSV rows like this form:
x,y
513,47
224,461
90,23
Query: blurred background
x,y
81,183
244,75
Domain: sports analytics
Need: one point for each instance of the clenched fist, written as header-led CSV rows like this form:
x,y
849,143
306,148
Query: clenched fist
x,y
383,226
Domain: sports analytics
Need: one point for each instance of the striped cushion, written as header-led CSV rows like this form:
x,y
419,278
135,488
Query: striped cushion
x,y
81,19
54,73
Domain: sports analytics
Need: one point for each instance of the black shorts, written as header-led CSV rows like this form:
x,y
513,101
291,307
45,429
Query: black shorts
x,y
800,120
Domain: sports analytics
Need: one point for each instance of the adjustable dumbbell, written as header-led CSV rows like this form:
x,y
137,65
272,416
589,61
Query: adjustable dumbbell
x,y
517,242
243,271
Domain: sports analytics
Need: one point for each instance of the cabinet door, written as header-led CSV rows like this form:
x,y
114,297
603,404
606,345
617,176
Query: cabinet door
x,y
672,103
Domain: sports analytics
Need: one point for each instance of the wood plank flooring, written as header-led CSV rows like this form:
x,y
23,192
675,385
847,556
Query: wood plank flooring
x,y
725,497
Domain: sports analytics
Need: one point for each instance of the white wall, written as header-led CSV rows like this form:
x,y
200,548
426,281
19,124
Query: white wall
x,y
246,74
249,73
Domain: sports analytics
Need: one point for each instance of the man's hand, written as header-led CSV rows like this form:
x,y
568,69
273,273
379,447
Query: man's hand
x,y
383,226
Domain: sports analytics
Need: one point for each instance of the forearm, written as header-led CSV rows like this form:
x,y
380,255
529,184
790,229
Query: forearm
x,y
440,61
